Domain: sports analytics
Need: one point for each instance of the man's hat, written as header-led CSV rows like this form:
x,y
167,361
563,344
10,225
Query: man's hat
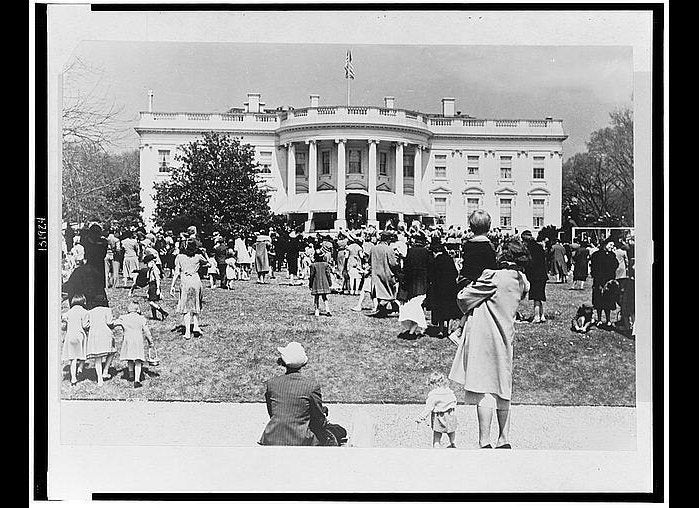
x,y
293,355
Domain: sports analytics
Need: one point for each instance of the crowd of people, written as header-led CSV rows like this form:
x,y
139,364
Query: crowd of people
x,y
471,282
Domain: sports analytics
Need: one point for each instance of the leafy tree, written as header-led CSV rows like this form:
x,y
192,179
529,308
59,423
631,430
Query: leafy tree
x,y
599,184
214,188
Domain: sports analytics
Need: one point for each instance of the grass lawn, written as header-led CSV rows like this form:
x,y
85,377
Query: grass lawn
x,y
357,358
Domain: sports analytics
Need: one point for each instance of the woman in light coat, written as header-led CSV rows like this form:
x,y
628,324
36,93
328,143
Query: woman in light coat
x,y
484,356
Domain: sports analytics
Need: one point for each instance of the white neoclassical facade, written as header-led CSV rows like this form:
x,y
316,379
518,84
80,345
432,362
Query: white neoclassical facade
x,y
332,166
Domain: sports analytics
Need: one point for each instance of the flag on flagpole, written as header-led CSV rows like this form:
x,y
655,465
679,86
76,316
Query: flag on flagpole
x,y
349,70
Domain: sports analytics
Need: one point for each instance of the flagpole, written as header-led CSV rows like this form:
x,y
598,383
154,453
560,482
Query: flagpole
x,y
348,91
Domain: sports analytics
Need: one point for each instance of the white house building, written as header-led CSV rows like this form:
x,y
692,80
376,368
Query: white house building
x,y
332,166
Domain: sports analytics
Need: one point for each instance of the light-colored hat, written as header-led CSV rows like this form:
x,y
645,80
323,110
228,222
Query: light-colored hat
x,y
293,355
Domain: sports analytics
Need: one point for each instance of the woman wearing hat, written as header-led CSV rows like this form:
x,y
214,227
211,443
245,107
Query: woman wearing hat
x,y
187,265
441,295
384,266
262,246
294,403
413,289
484,357
603,266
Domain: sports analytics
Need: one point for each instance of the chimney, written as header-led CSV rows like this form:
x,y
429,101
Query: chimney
x,y
389,102
253,103
150,101
314,100
448,106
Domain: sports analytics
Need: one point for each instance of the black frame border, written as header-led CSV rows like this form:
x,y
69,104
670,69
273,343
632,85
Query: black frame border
x,y
40,275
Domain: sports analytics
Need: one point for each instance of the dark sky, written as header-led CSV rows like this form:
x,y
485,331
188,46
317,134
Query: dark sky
x,y
579,84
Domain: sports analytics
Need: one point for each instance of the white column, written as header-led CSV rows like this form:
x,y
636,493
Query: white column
x,y
399,172
290,171
340,220
371,184
418,171
312,180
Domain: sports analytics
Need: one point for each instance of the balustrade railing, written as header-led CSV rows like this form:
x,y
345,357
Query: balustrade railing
x,y
390,114
198,116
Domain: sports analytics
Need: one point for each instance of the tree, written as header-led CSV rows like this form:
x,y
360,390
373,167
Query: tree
x,y
97,185
214,188
599,184
101,187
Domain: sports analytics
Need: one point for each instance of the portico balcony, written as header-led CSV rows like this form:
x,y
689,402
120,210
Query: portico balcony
x,y
366,115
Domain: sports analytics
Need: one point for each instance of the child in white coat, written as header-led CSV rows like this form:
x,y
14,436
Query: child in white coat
x,y
441,406
75,323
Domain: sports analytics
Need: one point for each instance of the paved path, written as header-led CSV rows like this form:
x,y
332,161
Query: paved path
x,y
129,423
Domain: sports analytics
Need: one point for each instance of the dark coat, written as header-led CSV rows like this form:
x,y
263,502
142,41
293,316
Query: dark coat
x,y
295,407
581,260
441,297
319,280
477,256
536,267
414,281
603,265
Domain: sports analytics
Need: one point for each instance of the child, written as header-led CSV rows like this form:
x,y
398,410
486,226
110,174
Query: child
x,y
307,260
132,350
154,293
319,282
231,269
582,321
366,288
478,254
441,405
76,321
100,340
354,272
212,272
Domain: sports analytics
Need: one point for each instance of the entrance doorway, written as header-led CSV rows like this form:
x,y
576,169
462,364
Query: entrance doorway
x,y
356,210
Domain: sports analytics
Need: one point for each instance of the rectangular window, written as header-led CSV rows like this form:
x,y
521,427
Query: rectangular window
x,y
539,168
538,212
440,159
300,164
505,212
325,162
265,162
355,162
164,161
383,164
472,168
409,165
440,172
506,167
440,207
472,204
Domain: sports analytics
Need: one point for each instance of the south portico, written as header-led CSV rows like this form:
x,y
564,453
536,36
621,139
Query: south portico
x,y
356,180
